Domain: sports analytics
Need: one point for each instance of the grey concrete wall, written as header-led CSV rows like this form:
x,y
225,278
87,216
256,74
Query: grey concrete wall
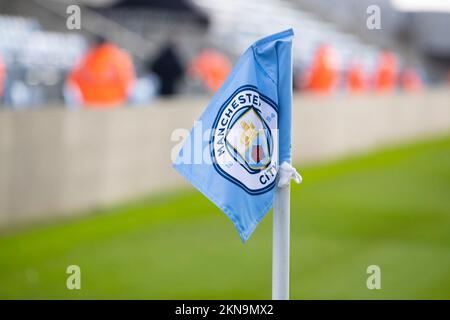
x,y
55,162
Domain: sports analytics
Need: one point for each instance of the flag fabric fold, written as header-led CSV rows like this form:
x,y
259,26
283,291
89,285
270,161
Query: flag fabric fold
x,y
233,152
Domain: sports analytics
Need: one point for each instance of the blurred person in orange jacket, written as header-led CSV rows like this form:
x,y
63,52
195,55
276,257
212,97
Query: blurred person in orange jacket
x,y
104,77
323,75
410,80
211,67
355,78
386,73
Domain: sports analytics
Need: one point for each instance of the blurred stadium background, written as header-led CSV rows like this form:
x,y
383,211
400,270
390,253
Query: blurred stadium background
x,y
87,120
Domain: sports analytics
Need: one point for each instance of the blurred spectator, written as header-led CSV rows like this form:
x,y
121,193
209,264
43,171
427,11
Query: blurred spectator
x,y
2,78
104,78
211,67
297,78
355,78
323,76
144,91
448,78
410,80
169,69
386,73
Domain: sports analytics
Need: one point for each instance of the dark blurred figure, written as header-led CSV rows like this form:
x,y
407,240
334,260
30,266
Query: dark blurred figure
x,y
169,69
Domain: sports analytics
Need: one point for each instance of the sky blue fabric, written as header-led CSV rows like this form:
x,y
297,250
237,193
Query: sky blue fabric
x,y
265,68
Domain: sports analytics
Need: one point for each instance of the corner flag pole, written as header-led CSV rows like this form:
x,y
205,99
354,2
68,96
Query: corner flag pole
x,y
280,262
281,232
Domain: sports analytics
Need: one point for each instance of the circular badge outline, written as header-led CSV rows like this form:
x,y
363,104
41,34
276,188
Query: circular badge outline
x,y
219,170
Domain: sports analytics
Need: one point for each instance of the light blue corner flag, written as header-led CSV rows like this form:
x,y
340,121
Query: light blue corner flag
x,y
233,153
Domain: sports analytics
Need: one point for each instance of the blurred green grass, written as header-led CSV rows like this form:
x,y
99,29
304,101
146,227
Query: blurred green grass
x,y
390,208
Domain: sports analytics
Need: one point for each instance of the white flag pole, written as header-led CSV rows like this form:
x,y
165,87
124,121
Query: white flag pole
x,y
281,236
281,232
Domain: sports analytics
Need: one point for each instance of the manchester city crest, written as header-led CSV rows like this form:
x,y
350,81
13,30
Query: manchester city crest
x,y
244,140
